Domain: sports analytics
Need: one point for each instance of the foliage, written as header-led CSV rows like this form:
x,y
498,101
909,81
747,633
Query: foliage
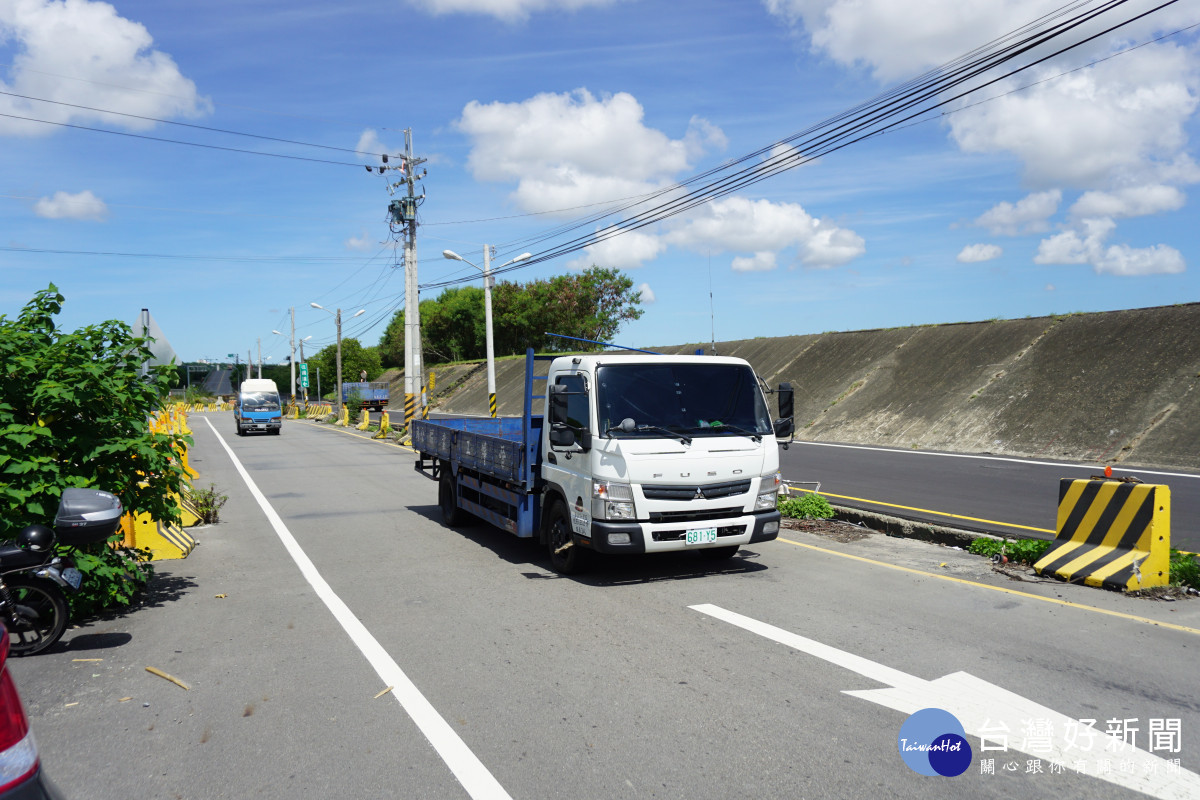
x,y
588,305
1025,551
75,411
112,576
355,358
807,506
208,503
1185,569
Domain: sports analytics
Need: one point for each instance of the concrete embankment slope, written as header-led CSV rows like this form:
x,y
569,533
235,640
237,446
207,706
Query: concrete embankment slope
x,y
1106,387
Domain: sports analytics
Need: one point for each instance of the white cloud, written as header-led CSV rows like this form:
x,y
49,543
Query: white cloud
x,y
1135,201
975,253
1030,214
759,262
369,144
508,10
623,251
83,205
74,38
1086,245
897,40
740,225
573,149
646,294
1118,122
1050,287
361,243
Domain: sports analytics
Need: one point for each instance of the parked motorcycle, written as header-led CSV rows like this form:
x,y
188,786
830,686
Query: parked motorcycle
x,y
33,580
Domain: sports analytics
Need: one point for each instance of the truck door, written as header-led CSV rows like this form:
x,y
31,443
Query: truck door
x,y
568,467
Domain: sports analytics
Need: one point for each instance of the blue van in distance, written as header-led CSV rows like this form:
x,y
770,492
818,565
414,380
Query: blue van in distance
x,y
257,407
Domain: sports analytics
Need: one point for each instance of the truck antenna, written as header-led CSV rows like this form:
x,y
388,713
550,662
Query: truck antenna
x,y
602,344
712,314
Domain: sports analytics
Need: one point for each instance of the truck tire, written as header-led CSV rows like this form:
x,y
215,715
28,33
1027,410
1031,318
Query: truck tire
x,y
452,515
719,553
566,558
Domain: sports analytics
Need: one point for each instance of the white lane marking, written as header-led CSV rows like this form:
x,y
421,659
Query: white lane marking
x,y
989,712
1130,470
470,771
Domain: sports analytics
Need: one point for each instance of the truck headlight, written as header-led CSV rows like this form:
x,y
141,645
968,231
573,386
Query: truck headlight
x,y
611,500
768,492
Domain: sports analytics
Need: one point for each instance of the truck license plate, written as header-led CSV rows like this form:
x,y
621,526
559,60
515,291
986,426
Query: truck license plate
x,y
701,536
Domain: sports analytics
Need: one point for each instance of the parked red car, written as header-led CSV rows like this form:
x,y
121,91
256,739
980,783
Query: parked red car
x,y
21,775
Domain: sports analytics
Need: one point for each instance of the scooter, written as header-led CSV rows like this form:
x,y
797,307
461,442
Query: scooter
x,y
34,580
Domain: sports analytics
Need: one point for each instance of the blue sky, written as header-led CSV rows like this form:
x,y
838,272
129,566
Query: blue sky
x,y
1068,195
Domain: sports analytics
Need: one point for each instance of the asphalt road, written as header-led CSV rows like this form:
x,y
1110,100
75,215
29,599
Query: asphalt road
x,y
334,579
977,492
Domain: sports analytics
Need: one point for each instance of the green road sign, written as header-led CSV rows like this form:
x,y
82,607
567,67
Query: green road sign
x,y
304,376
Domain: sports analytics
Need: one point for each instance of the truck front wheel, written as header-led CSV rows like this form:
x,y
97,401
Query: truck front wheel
x,y
566,557
452,515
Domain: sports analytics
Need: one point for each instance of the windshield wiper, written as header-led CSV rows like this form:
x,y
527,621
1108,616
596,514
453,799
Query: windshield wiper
x,y
757,437
629,426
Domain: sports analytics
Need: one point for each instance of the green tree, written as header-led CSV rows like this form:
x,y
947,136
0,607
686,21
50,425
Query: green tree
x,y
355,358
75,411
593,304
453,328
391,343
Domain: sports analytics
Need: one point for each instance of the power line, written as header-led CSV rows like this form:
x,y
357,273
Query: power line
x,y
190,125
180,141
876,117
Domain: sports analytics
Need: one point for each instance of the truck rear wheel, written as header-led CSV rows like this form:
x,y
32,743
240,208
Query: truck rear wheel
x,y
452,515
566,557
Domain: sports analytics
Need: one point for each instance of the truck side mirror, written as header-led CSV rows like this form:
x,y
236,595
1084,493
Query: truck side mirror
x,y
785,425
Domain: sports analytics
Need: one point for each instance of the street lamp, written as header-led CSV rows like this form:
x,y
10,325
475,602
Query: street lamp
x,y
338,319
486,269
292,359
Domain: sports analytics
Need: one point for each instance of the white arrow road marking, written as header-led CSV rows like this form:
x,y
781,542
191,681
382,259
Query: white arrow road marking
x,y
985,709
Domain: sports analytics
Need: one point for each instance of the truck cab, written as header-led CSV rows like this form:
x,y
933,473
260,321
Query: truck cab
x,y
647,453
257,407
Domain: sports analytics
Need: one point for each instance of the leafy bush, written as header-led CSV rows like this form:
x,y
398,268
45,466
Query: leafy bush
x,y
1185,570
75,411
208,503
1025,551
809,506
113,576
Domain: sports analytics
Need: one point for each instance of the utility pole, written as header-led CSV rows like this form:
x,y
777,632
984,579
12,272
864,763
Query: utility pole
x,y
403,220
292,358
338,319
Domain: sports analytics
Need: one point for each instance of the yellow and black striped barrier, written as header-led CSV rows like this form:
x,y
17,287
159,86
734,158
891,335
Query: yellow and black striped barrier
x,y
492,404
1111,534
410,404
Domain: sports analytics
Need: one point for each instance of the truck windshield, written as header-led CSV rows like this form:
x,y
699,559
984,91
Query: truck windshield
x,y
693,398
260,401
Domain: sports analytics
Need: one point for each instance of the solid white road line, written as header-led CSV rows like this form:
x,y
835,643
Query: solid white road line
x,y
466,766
1130,470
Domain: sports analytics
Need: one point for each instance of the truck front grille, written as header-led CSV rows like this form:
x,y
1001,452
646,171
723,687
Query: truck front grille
x,y
709,492
694,516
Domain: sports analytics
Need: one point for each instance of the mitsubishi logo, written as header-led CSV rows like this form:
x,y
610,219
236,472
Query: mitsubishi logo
x,y
699,494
